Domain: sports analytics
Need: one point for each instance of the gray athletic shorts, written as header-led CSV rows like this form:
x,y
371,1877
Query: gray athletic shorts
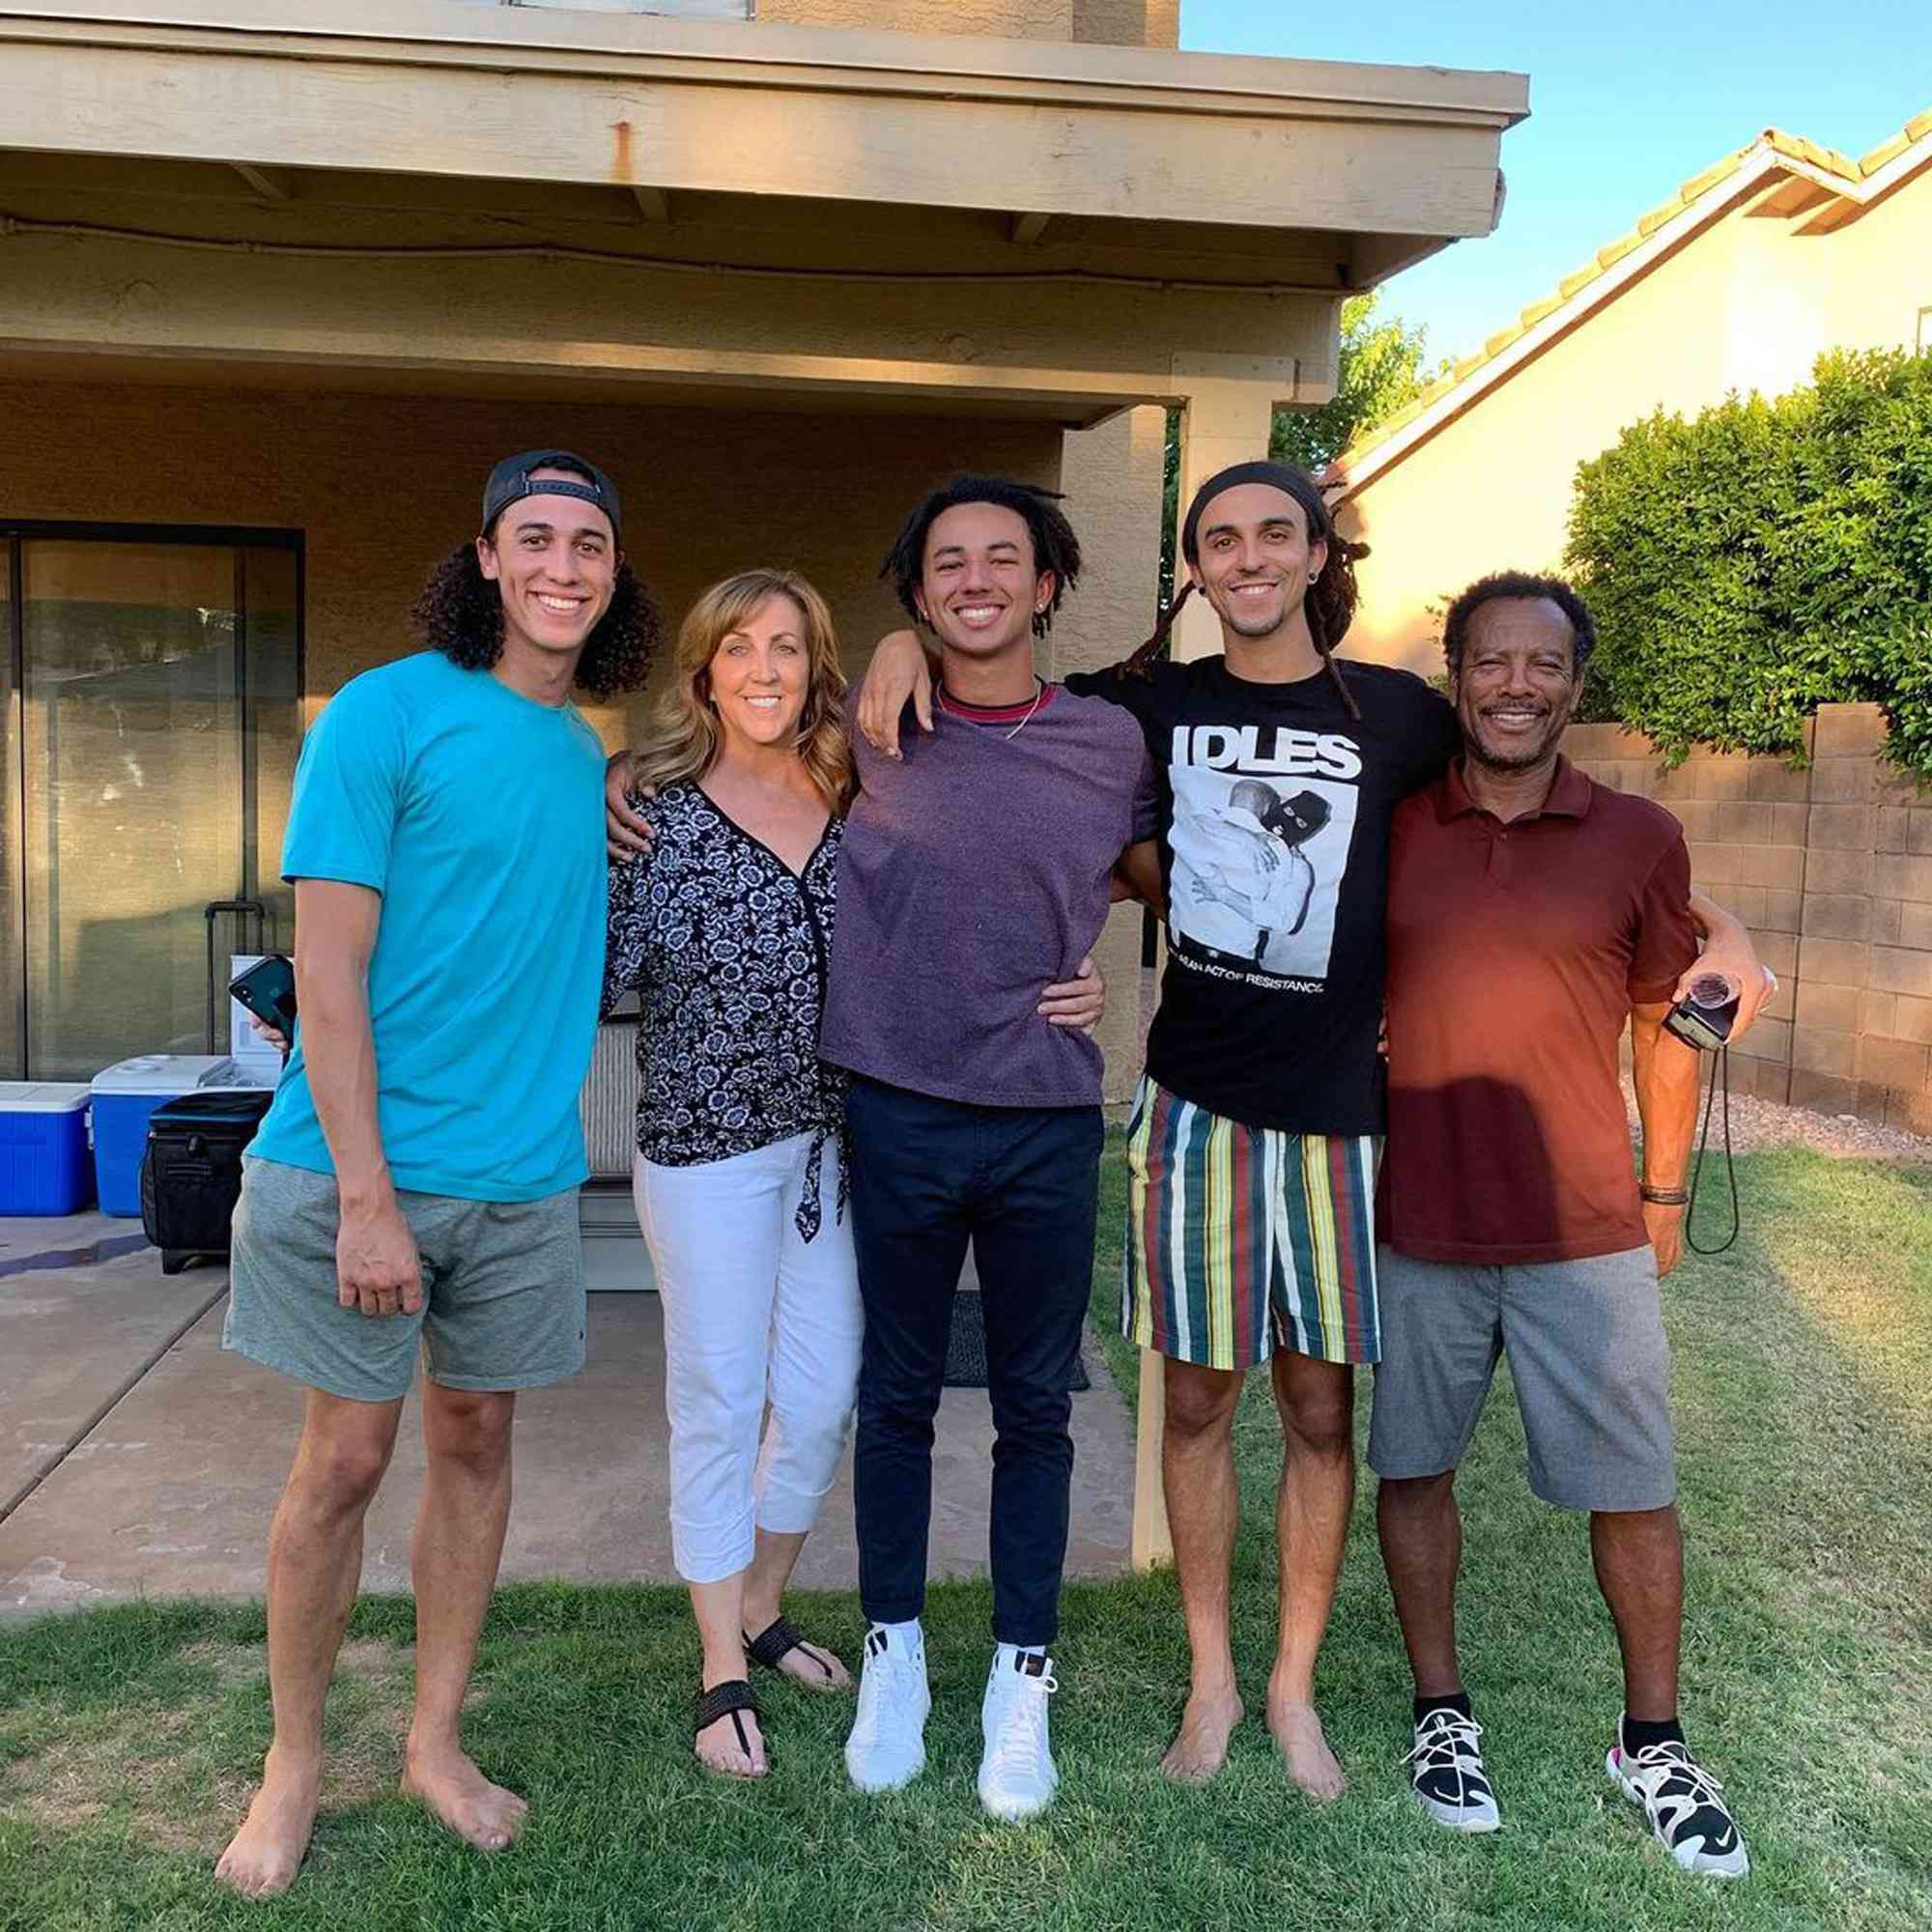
x,y
503,1302
1588,1354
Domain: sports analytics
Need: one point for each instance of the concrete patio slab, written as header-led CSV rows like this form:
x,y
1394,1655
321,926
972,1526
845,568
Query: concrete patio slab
x,y
81,1320
171,1494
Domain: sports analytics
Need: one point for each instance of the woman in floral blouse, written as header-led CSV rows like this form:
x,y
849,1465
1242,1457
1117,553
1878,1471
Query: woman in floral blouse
x,y
723,928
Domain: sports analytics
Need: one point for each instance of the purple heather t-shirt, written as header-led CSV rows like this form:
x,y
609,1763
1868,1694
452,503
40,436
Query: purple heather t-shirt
x,y
972,874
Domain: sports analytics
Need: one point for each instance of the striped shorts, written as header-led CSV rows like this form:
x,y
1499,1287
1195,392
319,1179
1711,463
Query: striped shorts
x,y
1245,1240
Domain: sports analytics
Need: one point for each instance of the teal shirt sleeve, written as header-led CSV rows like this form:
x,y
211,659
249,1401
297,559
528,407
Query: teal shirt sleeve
x,y
348,790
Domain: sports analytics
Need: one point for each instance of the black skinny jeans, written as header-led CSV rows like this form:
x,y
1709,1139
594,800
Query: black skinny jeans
x,y
928,1177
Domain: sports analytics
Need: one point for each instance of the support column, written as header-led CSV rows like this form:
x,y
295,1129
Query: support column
x,y
1111,477
1226,419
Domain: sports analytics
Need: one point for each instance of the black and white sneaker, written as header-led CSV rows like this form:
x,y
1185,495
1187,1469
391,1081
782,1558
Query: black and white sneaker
x,y
1684,1804
1446,1771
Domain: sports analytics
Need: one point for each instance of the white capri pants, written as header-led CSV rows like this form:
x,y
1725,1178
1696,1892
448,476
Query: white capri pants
x,y
751,1311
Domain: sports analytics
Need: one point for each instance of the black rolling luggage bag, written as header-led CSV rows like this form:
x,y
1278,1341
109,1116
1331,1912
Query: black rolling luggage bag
x,y
191,1174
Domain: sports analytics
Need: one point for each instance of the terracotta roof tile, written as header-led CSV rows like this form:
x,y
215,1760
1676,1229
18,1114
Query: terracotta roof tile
x,y
1794,147
1702,183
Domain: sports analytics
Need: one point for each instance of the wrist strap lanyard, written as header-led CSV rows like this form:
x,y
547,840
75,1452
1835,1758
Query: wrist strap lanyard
x,y
1721,1070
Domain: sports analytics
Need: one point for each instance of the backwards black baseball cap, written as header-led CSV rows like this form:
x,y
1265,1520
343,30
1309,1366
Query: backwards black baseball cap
x,y
515,478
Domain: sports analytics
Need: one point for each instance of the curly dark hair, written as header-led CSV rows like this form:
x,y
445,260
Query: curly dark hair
x,y
1331,598
460,612
1054,546
1520,586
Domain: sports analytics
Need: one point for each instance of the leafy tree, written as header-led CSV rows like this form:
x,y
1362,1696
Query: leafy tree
x,y
1379,371
1766,558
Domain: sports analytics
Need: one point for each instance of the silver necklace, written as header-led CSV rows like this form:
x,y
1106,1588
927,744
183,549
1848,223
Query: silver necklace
x,y
1039,698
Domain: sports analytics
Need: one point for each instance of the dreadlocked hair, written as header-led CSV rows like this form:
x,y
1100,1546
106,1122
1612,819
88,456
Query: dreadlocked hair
x,y
1328,603
1054,546
460,612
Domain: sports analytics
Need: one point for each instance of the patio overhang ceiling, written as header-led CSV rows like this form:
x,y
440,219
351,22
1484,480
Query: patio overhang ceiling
x,y
405,136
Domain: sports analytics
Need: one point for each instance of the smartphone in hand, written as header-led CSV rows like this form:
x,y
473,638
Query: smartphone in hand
x,y
267,989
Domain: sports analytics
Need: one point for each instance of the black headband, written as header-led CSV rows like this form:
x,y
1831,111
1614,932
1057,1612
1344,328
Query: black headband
x,y
1277,475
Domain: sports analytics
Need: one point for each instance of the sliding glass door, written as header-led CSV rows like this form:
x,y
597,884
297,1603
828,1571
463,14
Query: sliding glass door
x,y
152,697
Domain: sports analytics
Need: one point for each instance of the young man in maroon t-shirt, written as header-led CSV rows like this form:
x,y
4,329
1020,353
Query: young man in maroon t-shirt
x,y
1532,915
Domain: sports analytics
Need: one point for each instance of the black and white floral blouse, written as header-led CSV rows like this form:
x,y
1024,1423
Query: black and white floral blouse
x,y
727,948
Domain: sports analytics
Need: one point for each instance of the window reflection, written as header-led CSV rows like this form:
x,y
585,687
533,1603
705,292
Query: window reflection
x,y
157,730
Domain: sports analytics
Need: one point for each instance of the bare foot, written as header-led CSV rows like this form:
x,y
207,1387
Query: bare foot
x,y
463,1799
718,1748
1200,1746
265,1854
1298,1735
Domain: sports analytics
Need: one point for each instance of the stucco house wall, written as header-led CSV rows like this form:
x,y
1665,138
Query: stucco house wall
x,y
381,486
1747,301
1877,284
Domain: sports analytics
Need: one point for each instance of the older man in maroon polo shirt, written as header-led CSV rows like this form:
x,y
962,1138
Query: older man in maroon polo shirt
x,y
1532,914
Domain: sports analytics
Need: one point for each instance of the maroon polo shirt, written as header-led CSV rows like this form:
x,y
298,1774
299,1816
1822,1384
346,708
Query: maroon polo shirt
x,y
1514,954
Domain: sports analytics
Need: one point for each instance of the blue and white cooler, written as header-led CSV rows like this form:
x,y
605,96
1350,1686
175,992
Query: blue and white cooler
x,y
126,1096
43,1164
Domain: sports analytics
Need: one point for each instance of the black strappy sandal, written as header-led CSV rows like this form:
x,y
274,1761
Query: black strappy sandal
x,y
780,1638
726,1700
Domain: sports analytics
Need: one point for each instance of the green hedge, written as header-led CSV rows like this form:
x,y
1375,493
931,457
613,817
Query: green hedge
x,y
1765,558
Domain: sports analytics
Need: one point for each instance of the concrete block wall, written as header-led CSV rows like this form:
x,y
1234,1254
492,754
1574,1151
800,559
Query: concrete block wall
x,y
1831,867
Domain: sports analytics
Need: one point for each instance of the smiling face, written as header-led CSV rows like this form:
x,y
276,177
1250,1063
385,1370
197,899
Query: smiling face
x,y
554,560
978,589
1517,683
1254,559
760,673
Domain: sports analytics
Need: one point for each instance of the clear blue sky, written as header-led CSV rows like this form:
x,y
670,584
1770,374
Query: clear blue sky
x,y
1626,103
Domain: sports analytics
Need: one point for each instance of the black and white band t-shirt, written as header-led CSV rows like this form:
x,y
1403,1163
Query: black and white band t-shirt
x,y
1275,814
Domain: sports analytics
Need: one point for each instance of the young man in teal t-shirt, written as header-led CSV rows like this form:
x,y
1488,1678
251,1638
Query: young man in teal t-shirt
x,y
414,1183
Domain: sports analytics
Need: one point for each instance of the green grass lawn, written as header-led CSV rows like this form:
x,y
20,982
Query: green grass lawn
x,y
129,1737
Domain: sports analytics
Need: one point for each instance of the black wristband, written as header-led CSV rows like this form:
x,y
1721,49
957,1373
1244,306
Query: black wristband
x,y
1664,1197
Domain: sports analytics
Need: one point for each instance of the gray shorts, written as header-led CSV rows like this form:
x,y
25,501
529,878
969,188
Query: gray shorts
x,y
503,1302
1587,1353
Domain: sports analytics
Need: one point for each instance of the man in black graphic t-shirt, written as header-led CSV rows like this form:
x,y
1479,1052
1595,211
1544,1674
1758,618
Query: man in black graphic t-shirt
x,y
1287,899
1256,1136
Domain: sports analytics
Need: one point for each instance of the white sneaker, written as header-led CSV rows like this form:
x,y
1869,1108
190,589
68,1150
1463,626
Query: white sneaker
x,y
1684,1804
1017,1776
1446,1771
887,1748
